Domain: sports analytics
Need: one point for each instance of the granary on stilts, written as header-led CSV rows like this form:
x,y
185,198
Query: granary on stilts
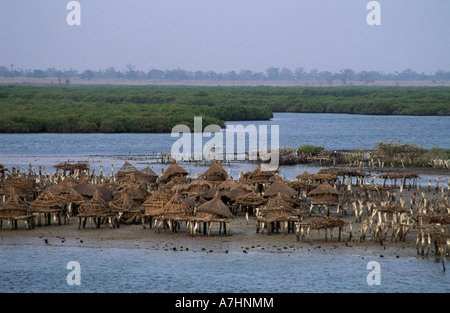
x,y
97,210
278,213
213,211
51,206
15,209
324,195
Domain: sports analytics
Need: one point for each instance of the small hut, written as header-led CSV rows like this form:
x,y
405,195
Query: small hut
x,y
175,212
260,178
213,211
173,171
15,209
71,167
98,210
276,213
248,202
49,205
148,175
325,195
215,172
198,186
278,186
154,206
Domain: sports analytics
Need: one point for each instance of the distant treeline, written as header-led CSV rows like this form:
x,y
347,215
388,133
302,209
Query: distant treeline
x,y
112,109
343,77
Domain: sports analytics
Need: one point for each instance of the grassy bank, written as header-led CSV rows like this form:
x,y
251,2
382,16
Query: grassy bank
x,y
159,108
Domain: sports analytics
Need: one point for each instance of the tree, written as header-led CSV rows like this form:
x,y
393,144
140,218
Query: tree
x,y
273,73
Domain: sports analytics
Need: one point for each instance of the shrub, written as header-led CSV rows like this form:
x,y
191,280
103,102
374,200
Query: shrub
x,y
309,149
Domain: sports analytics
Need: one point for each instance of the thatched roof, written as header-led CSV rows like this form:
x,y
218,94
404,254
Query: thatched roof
x,y
199,186
227,185
88,190
47,202
323,189
194,201
258,175
174,170
124,203
215,172
324,222
240,190
155,203
278,186
213,209
307,177
148,171
177,209
96,207
65,166
14,207
251,199
16,185
277,209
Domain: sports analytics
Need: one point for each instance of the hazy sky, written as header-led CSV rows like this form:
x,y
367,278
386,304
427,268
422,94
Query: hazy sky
x,y
225,35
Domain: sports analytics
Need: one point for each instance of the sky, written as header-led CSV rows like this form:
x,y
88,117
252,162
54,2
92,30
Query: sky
x,y
226,35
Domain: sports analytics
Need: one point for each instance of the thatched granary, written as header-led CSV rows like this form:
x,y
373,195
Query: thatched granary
x,y
248,202
215,172
97,209
173,171
71,167
316,178
15,209
324,194
276,212
49,205
278,186
153,207
176,209
213,211
87,189
20,186
260,176
198,186
126,171
148,175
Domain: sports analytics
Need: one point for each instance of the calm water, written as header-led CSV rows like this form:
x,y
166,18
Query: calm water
x,y
333,131
43,269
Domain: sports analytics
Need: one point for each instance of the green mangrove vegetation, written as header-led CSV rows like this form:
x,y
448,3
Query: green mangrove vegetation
x,y
69,109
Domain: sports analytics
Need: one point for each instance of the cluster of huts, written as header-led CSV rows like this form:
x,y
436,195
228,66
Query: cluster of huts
x,y
173,200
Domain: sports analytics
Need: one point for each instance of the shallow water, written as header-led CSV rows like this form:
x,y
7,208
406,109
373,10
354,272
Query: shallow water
x,y
43,269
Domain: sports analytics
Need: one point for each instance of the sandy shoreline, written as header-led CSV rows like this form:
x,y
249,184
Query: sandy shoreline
x,y
243,239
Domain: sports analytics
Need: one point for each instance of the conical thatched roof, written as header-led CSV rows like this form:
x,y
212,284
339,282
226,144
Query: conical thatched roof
x,y
323,189
194,201
277,209
148,171
95,207
279,186
14,207
199,186
18,186
215,172
177,209
127,168
251,199
174,170
258,175
124,203
240,189
155,203
88,190
47,202
227,185
213,209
